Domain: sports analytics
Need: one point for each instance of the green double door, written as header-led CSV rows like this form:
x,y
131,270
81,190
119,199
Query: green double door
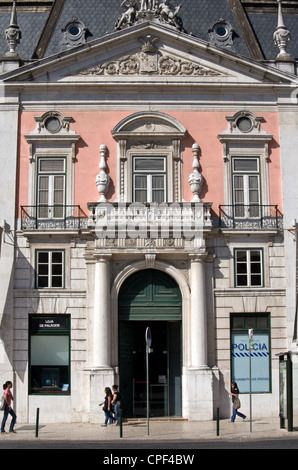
x,y
150,298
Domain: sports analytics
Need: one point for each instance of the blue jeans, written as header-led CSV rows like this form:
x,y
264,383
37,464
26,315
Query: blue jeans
x,y
236,412
109,417
8,411
117,411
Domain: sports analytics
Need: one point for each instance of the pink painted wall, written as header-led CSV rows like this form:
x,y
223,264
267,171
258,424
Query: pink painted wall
x,y
95,127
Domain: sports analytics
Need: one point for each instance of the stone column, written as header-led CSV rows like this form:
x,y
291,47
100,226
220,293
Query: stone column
x,y
101,372
199,375
198,326
102,311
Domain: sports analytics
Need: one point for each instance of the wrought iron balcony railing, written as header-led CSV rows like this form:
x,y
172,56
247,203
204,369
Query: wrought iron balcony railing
x,y
55,217
250,217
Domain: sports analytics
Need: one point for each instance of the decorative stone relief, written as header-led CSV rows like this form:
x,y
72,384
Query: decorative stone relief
x,y
52,127
244,126
74,33
221,34
150,64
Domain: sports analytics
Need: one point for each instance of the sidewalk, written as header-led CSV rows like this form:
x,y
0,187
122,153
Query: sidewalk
x,y
161,430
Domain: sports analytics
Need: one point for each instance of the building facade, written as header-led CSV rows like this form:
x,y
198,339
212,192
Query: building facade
x,y
148,181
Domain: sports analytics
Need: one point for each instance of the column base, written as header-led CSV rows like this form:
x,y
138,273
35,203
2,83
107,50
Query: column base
x,y
198,394
100,378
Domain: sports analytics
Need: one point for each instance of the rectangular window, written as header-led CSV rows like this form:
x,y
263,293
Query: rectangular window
x,y
149,179
49,354
246,187
248,268
260,354
51,188
49,269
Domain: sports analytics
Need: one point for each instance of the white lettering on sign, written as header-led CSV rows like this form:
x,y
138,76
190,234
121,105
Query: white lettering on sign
x,y
246,347
49,324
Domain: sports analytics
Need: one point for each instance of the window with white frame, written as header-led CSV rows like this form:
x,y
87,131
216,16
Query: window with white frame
x,y
51,182
246,150
52,155
49,269
246,187
150,158
149,179
248,267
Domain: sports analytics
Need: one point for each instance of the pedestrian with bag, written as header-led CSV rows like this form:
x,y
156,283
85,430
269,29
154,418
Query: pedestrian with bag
x,y
236,404
8,398
107,408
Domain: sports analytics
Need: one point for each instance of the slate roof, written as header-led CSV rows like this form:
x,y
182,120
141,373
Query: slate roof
x,y
100,17
37,21
265,24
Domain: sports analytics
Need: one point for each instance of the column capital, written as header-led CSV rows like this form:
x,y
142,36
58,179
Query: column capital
x,y
102,257
199,257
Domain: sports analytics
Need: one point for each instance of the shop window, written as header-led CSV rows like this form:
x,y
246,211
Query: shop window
x,y
49,354
260,354
248,267
49,269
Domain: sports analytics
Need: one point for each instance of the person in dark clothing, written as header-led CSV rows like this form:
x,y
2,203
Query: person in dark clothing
x,y
234,393
108,407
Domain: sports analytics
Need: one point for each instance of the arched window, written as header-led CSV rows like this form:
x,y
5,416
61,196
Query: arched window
x,y
149,158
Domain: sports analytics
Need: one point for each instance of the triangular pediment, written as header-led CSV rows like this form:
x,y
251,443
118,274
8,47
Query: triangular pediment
x,y
149,53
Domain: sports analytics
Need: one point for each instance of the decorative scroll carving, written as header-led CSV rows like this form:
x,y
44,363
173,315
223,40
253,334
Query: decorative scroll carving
x,y
150,64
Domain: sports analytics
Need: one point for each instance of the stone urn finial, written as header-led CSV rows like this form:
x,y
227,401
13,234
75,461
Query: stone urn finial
x,y
102,179
13,34
281,35
195,179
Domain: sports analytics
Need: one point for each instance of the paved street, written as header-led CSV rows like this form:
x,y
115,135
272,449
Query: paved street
x,y
144,450
177,436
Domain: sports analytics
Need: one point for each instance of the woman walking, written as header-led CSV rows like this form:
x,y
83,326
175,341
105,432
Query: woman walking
x,y
8,398
108,407
235,392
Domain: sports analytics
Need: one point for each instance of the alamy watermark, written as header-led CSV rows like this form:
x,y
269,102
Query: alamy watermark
x,y
150,220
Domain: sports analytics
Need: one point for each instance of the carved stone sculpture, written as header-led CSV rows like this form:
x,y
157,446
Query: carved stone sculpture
x,y
281,35
195,179
128,17
138,10
102,179
168,13
13,34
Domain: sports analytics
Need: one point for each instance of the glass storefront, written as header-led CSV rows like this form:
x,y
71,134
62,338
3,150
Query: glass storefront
x,y
49,354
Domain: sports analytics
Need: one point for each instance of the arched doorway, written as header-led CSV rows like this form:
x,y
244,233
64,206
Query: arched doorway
x,y
150,298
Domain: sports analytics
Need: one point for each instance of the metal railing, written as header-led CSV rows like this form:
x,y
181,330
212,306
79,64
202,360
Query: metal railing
x,y
53,217
250,217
